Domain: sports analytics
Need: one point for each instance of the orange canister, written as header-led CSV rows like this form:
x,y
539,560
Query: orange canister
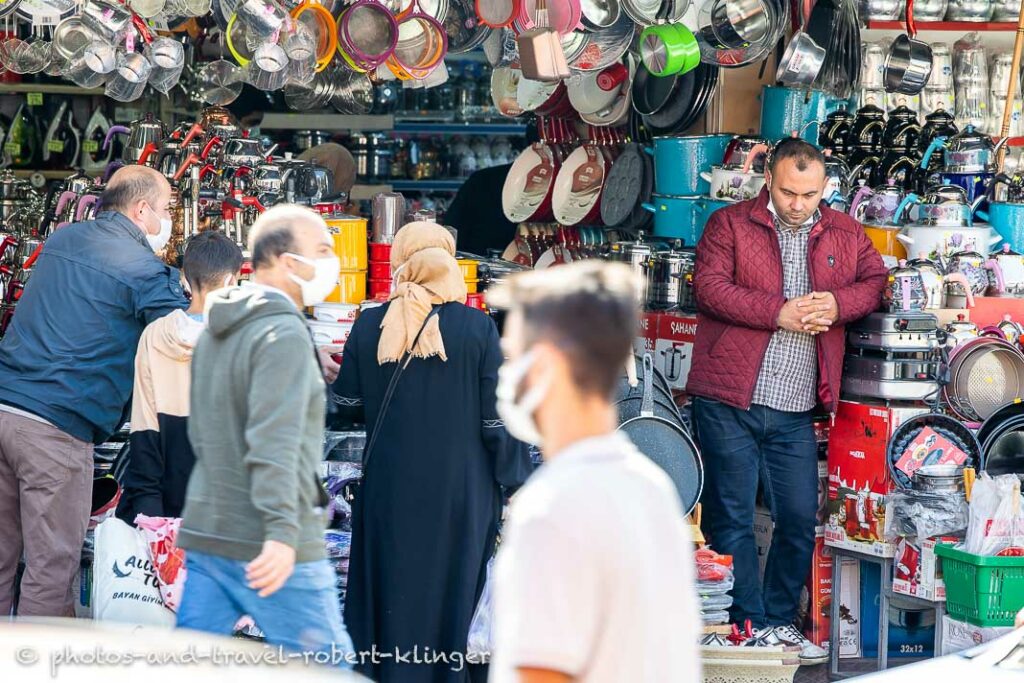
x,y
884,239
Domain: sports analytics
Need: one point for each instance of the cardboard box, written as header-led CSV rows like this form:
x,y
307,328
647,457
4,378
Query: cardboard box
x,y
819,593
849,610
859,481
917,571
822,493
911,627
764,529
647,335
673,347
958,636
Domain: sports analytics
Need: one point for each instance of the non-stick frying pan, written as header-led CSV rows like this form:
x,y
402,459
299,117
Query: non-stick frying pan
x,y
623,186
678,105
650,92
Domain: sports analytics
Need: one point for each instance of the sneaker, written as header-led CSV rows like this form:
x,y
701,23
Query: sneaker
x,y
790,637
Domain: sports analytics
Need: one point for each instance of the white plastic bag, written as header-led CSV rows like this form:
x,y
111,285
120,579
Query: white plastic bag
x,y
478,647
161,534
125,584
997,515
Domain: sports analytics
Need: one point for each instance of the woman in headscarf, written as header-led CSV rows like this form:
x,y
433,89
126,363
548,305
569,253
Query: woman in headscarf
x,y
426,516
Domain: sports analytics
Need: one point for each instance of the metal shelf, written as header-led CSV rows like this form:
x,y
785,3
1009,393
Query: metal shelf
x,y
449,185
49,175
47,89
324,121
961,26
412,126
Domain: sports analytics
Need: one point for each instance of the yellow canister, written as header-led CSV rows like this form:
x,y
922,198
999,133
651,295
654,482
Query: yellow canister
x,y
884,239
468,267
471,286
349,234
351,288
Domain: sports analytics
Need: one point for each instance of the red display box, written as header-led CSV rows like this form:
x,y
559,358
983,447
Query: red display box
x,y
819,591
669,338
989,310
859,481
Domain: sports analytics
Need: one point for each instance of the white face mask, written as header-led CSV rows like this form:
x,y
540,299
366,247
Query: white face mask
x,y
518,414
158,241
325,278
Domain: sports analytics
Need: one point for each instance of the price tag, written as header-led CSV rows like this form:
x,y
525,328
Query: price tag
x,y
34,99
55,146
91,146
12,148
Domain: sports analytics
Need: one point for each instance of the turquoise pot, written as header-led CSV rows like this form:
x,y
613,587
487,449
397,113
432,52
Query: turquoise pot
x,y
682,218
1008,221
678,162
784,110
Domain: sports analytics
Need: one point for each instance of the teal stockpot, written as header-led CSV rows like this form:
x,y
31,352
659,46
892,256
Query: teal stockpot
x,y
682,218
1007,220
678,162
784,110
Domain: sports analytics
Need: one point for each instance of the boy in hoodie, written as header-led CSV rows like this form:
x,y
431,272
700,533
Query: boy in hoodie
x,y
253,527
161,457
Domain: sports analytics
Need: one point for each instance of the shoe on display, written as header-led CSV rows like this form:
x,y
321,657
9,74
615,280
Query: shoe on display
x,y
717,640
790,637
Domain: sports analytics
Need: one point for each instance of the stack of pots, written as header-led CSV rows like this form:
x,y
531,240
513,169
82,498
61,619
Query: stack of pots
x,y
349,235
388,217
682,200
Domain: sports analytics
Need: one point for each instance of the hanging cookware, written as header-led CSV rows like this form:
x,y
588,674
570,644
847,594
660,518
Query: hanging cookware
x,y
422,44
594,92
680,160
801,62
668,49
624,186
367,35
599,14
600,49
909,63
526,195
563,17
733,33
576,197
985,374
319,20
465,31
784,110
497,13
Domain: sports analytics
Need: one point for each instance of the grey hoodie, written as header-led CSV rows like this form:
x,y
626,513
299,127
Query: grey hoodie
x,y
257,430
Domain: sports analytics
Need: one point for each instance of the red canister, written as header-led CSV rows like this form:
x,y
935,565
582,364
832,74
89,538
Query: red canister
x,y
380,252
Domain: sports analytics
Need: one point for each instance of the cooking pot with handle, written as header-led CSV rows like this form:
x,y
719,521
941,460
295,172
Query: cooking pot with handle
x,y
680,160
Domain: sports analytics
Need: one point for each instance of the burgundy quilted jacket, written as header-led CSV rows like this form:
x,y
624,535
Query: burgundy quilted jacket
x,y
738,286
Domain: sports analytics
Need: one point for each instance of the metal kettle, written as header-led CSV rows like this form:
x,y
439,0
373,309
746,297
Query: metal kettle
x,y
971,151
902,132
883,205
867,130
975,269
143,132
835,132
1011,268
837,182
906,289
945,206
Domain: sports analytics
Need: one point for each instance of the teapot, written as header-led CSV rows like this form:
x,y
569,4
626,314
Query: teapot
x,y
867,130
975,268
1011,268
834,133
906,289
960,331
939,124
971,151
934,280
837,182
142,133
946,206
902,132
884,205
899,166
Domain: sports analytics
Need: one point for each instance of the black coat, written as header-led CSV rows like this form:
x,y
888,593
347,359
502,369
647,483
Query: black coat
x,y
427,514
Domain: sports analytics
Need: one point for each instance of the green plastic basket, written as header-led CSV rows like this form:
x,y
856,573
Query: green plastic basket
x,y
984,591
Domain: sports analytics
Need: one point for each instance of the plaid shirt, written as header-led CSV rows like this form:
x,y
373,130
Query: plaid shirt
x,y
789,372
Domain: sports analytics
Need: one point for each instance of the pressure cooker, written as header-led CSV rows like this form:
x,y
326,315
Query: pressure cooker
x,y
669,275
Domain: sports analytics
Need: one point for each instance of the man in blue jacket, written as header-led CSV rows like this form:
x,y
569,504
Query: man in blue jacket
x,y
66,371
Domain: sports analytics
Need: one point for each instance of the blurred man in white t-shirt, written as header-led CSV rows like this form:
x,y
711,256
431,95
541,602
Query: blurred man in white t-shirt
x,y
594,578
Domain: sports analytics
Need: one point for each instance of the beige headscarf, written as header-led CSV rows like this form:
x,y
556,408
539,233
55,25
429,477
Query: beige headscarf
x,y
429,275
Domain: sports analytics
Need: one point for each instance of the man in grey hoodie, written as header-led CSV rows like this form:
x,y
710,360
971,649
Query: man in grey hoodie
x,y
253,523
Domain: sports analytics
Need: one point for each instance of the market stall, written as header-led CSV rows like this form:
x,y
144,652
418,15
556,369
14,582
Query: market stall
x,y
650,117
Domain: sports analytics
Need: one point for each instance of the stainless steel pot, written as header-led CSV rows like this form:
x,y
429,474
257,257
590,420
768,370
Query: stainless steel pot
x,y
930,10
388,216
970,10
880,10
1006,10
637,255
939,478
909,64
668,279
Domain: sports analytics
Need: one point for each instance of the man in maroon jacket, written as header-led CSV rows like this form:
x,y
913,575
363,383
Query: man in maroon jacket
x,y
777,279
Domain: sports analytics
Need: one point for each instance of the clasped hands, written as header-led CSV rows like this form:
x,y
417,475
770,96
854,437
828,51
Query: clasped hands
x,y
812,313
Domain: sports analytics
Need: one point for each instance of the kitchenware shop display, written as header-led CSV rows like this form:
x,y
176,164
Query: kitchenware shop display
x,y
892,356
526,195
576,197
985,374
885,240
884,205
681,218
969,10
667,443
629,398
801,62
784,110
945,206
628,186
668,49
835,131
907,434
942,242
732,33
734,183
367,35
541,55
1002,440
637,255
1007,220
971,152
1011,270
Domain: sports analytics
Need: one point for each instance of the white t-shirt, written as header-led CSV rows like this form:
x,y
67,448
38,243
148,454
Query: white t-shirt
x,y
595,575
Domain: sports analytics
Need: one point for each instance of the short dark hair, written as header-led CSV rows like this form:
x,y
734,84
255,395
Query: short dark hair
x,y
589,310
209,256
797,149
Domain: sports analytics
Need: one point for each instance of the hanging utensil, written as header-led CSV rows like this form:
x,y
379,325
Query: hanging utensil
x,y
540,50
668,49
909,64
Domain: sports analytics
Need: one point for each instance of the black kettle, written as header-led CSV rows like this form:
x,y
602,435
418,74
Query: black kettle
x,y
902,132
835,132
867,131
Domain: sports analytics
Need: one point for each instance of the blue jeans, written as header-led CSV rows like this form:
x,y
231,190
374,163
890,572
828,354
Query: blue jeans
x,y
738,447
304,615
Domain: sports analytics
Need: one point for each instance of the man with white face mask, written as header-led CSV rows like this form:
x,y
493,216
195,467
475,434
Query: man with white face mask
x,y
594,577
66,371
253,523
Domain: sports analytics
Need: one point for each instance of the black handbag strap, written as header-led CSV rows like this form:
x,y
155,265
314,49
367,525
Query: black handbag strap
x,y
390,391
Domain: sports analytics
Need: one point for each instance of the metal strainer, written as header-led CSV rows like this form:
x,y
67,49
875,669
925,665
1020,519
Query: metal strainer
x,y
986,374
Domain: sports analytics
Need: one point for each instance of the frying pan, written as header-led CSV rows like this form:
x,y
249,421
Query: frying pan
x,y
650,92
590,95
576,197
504,91
618,112
710,84
526,194
601,49
669,48
680,102
986,373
